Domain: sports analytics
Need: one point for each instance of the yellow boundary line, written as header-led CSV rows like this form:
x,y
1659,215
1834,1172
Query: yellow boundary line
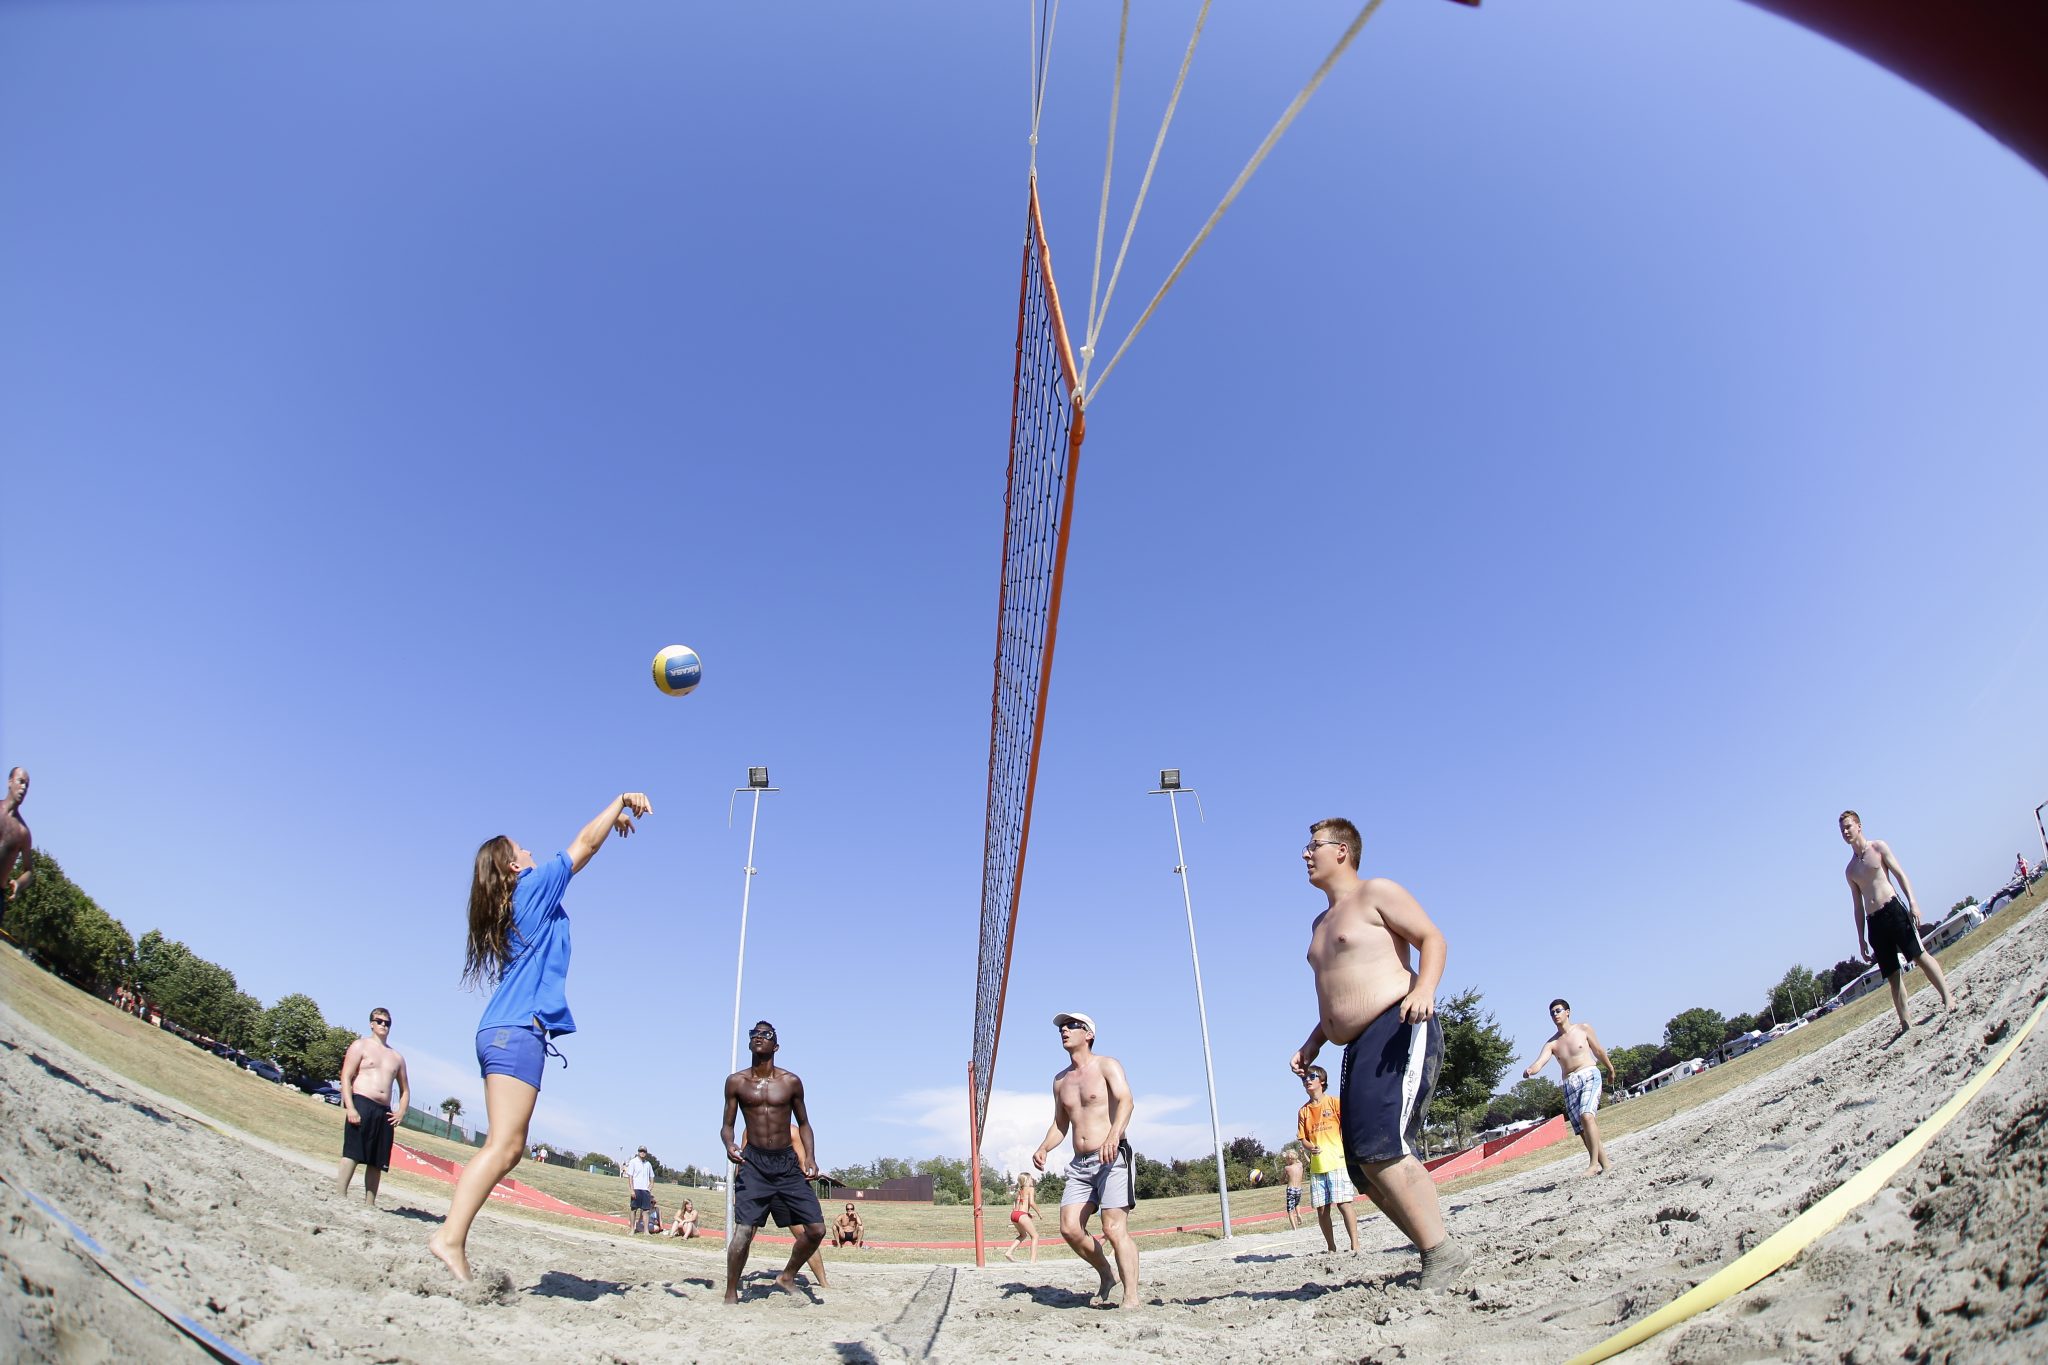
x,y
1781,1246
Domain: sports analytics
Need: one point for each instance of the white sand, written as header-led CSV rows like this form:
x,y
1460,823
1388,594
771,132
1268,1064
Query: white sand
x,y
1946,1263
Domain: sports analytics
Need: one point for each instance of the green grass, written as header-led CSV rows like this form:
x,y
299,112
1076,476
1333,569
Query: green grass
x,y
219,1090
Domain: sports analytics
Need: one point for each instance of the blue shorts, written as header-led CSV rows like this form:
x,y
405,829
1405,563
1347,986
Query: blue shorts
x,y
509,1050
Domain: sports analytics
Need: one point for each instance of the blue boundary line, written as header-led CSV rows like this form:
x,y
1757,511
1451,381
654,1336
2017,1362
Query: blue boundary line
x,y
218,1347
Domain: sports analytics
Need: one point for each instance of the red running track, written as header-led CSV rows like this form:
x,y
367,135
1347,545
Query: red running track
x,y
1443,1168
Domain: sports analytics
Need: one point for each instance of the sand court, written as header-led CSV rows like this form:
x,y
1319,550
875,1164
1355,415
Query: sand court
x,y
251,1242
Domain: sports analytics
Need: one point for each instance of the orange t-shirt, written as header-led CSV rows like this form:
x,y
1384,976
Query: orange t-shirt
x,y
1321,1123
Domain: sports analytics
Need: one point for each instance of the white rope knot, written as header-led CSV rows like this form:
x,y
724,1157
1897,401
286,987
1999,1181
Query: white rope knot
x,y
1034,139
1087,354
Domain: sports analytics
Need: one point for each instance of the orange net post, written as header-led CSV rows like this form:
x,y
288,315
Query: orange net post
x,y
1046,427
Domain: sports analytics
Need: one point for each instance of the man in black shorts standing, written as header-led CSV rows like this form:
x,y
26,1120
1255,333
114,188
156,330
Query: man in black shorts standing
x,y
370,1070
1887,921
773,1175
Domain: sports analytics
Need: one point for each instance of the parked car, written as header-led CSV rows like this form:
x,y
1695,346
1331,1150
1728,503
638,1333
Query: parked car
x,y
267,1069
329,1091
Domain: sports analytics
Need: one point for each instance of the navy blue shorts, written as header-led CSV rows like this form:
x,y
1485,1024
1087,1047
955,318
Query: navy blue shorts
x,y
1390,1072
512,1050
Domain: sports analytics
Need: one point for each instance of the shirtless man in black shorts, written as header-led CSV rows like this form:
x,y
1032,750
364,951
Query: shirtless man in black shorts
x,y
16,844
773,1174
1887,921
1382,1009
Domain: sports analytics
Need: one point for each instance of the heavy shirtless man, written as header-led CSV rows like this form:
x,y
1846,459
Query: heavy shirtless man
x,y
368,1071
1382,1010
1887,921
774,1173
15,843
1092,1098
1574,1046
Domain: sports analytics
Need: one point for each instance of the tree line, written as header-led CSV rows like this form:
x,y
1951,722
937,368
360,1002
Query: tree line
x,y
69,933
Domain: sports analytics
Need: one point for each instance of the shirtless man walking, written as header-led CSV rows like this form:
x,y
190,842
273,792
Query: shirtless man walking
x,y
774,1173
1092,1098
1382,1010
1575,1046
368,1071
1887,921
15,843
1292,1159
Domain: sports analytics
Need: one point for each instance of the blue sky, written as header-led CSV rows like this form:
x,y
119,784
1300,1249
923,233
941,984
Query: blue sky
x,y
1600,446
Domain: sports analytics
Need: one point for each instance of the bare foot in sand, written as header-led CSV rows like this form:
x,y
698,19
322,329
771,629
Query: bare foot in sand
x,y
452,1257
732,1297
1108,1274
1595,1169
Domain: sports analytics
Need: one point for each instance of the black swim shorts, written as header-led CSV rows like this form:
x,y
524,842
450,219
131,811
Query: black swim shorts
x,y
1893,934
368,1142
1389,1074
770,1181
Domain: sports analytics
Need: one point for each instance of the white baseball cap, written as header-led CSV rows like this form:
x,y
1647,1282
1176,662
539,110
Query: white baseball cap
x,y
1075,1017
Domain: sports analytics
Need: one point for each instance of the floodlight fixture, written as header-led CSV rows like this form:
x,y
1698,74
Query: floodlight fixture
x,y
1169,779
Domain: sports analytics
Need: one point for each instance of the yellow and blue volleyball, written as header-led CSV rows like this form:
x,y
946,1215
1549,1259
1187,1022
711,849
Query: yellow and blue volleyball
x,y
678,670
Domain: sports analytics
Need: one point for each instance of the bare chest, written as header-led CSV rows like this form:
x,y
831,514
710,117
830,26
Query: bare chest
x,y
1082,1090
1351,936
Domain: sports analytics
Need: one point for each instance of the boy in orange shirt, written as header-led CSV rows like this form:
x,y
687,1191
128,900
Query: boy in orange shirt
x,y
1319,1126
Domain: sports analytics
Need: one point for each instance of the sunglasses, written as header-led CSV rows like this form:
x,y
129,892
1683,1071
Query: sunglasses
x,y
385,1022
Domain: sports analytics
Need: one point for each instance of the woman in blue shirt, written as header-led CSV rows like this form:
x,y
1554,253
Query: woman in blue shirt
x,y
518,946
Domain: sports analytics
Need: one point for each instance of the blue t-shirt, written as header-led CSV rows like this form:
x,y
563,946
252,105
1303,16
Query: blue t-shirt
x,y
535,983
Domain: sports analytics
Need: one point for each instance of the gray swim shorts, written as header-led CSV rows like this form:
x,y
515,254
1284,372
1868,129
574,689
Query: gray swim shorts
x,y
1106,1185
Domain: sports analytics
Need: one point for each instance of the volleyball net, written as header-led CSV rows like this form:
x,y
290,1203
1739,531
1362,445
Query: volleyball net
x,y
1045,447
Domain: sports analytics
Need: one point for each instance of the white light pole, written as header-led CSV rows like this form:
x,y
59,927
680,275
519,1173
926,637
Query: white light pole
x,y
756,782
2043,829
1170,788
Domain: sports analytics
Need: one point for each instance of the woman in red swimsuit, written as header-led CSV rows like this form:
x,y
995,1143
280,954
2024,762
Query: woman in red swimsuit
x,y
1025,1216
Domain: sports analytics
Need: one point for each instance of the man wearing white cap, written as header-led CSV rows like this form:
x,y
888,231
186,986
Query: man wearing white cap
x,y
1092,1097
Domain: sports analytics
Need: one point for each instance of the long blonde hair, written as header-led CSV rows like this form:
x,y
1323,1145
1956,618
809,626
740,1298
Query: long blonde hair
x,y
490,914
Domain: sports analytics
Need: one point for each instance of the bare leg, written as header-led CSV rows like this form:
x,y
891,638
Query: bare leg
x,y
1074,1228
1329,1233
1596,1149
372,1178
1350,1224
814,1233
1034,1245
1126,1253
1407,1195
1926,963
738,1241
348,1174
509,1105
1898,985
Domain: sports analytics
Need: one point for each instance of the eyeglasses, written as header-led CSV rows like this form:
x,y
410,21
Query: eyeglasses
x,y
1312,845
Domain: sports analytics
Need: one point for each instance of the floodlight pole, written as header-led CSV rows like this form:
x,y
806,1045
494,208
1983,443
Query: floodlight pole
x,y
1170,788
757,783
2042,829
746,887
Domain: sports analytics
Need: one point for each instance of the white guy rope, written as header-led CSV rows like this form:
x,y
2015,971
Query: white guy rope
x,y
1097,316
1116,95
1040,63
1230,197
